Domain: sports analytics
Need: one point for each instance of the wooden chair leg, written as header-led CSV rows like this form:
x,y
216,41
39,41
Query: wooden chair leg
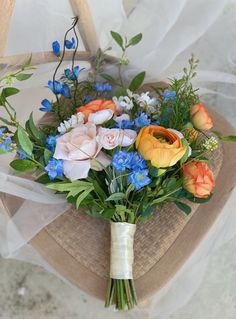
x,y
6,10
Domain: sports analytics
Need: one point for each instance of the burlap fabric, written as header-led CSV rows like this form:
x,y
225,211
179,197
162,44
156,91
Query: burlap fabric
x,y
78,246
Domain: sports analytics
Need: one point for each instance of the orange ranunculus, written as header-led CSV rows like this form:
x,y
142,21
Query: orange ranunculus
x,y
200,117
163,147
95,106
198,179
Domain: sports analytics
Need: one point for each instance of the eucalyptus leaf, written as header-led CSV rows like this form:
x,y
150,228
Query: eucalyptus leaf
x,y
118,38
108,77
9,91
137,81
23,76
135,40
23,165
24,140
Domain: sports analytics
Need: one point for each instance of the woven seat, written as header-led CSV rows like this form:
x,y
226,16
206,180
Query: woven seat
x,y
78,245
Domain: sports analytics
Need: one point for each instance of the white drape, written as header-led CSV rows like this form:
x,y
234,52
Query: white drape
x,y
172,30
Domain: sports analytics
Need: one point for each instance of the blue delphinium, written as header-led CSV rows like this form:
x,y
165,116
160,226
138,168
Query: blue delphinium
x,y
55,87
125,124
2,130
46,106
56,48
51,142
138,162
121,160
73,75
59,88
70,44
142,120
54,168
65,90
103,87
139,178
169,95
6,144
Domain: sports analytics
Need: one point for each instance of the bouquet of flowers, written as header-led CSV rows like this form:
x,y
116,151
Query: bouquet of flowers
x,y
114,149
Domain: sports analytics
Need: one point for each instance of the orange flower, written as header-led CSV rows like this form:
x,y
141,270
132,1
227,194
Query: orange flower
x,y
200,117
95,106
198,179
161,146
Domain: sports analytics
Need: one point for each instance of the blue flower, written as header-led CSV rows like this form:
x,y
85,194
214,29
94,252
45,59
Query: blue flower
x,y
56,87
6,144
73,75
51,142
121,160
22,154
138,162
59,88
142,120
169,95
54,168
70,44
103,87
2,129
125,124
139,178
65,90
56,48
47,106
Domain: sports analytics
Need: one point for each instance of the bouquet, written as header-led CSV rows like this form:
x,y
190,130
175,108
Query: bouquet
x,y
114,149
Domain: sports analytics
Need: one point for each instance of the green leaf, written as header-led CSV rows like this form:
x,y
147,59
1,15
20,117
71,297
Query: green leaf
x,y
118,38
27,62
229,138
197,200
136,39
23,76
43,179
116,196
147,213
137,81
24,140
9,91
66,187
83,196
47,155
121,92
108,213
108,77
184,207
185,157
5,121
23,165
39,135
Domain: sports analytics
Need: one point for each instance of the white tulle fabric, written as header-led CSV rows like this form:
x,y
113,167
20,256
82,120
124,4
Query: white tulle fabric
x,y
172,30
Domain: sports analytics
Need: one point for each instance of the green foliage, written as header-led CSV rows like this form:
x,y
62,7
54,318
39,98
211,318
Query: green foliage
x,y
116,197
9,91
78,189
35,132
137,81
135,40
24,140
23,165
23,76
118,38
184,207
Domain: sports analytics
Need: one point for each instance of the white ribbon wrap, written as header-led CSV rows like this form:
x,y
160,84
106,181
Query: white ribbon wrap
x,y
122,252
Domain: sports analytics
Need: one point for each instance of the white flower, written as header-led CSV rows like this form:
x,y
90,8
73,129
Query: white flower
x,y
128,138
210,144
123,103
100,116
75,120
145,101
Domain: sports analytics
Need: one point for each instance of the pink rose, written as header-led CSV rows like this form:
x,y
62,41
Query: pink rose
x,y
100,117
111,138
80,150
